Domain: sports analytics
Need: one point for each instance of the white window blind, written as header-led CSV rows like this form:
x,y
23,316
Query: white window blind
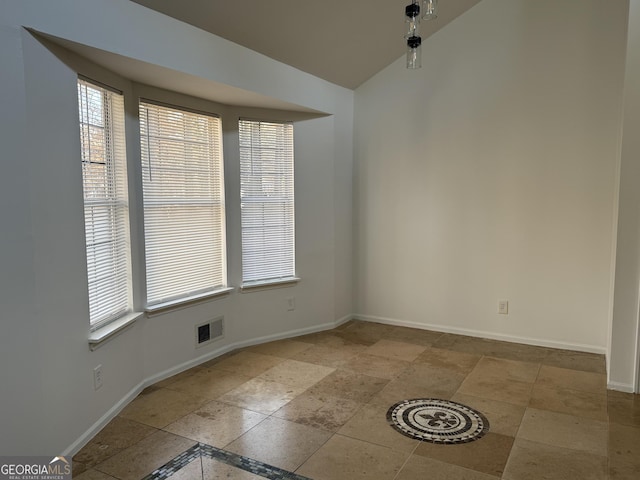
x,y
183,196
106,211
267,201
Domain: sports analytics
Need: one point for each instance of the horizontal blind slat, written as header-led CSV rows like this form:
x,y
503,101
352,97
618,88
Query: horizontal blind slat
x,y
267,200
183,197
106,211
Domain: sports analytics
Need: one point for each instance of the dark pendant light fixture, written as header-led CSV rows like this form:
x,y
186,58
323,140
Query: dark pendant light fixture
x,y
413,38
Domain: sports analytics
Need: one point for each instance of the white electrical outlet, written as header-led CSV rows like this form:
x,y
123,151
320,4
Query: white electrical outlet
x,y
503,307
291,304
97,377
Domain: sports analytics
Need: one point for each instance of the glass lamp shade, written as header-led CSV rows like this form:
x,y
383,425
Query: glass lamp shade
x,y
413,28
429,9
412,19
414,52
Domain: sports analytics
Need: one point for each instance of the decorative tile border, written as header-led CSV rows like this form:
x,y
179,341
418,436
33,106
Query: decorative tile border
x,y
233,459
177,463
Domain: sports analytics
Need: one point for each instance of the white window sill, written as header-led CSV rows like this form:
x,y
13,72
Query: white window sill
x,y
263,285
164,307
98,337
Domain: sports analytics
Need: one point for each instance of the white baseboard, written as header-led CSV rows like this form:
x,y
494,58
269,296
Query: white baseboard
x,y
292,333
482,334
135,391
620,387
343,320
106,418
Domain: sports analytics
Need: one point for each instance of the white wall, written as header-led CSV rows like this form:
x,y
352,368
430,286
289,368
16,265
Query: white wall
x,y
48,404
624,332
491,174
19,341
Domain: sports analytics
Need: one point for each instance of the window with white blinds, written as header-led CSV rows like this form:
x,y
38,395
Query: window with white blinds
x,y
267,201
183,197
106,211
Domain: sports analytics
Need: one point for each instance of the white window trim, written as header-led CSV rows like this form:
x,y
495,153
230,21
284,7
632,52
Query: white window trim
x,y
267,284
165,307
103,334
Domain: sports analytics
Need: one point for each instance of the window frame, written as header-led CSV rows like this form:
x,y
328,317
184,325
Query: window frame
x,y
250,282
116,228
161,303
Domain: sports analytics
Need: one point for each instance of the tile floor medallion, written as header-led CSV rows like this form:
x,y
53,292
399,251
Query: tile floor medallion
x,y
240,462
437,421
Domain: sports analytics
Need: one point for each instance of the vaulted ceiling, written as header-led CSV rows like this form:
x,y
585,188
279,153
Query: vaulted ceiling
x,y
343,41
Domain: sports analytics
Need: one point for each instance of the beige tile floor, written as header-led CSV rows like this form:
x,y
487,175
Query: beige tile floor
x,y
316,405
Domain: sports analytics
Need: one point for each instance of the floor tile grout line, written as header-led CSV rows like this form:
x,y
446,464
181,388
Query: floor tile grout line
x,y
333,434
576,450
407,460
102,460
